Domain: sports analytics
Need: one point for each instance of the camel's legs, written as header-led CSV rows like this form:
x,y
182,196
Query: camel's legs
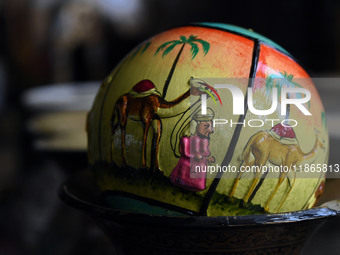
x,y
158,138
261,158
281,178
246,162
233,189
258,163
238,178
285,197
252,187
145,135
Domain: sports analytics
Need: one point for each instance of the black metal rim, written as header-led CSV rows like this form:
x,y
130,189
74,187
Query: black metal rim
x,y
101,211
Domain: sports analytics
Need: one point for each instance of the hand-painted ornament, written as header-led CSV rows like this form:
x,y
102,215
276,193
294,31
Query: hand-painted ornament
x,y
147,135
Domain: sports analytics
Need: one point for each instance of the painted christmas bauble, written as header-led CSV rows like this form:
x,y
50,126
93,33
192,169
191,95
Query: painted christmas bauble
x,y
208,119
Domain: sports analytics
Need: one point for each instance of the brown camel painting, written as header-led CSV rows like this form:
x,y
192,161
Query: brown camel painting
x,y
142,104
263,147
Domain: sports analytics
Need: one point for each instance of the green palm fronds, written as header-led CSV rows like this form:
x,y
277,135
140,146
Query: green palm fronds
x,y
192,40
282,80
167,47
174,42
170,48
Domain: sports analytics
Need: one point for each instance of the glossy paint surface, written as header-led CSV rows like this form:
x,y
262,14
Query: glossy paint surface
x,y
130,133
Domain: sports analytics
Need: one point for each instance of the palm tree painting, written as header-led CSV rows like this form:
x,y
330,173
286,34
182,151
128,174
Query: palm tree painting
x,y
192,40
279,81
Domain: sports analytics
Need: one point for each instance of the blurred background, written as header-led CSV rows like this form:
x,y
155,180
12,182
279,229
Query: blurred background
x,y
53,55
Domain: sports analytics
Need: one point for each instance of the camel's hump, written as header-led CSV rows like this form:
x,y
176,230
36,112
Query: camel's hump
x,y
284,131
143,86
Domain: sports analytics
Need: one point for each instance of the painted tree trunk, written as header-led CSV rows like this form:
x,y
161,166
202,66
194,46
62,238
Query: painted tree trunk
x,y
167,82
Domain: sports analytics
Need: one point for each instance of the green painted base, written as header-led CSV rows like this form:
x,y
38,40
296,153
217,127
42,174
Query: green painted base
x,y
153,193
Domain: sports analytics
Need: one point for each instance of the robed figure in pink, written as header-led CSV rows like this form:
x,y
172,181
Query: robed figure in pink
x,y
190,171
